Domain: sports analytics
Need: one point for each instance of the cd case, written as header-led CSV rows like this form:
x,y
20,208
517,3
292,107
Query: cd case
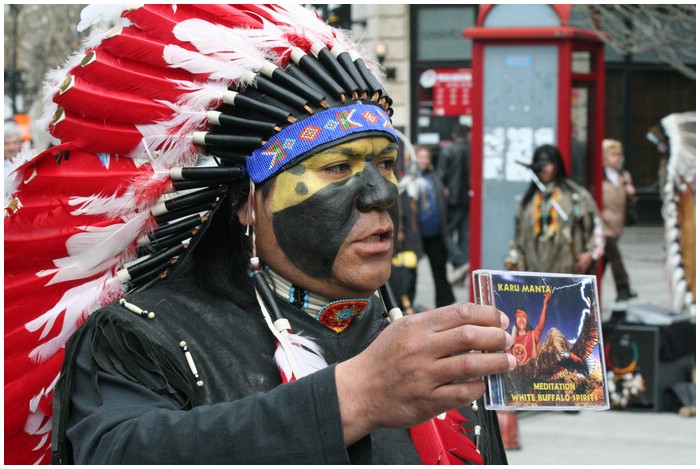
x,y
555,322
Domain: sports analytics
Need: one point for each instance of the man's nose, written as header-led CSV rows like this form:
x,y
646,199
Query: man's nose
x,y
376,192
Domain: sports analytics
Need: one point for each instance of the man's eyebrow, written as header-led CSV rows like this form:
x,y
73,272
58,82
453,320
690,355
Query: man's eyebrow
x,y
352,153
392,147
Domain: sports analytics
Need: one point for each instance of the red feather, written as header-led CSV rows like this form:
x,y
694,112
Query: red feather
x,y
228,14
129,76
133,44
96,102
445,441
159,20
96,136
40,315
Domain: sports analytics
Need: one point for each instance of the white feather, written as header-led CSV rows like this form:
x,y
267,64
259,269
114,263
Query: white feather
x,y
201,96
296,356
186,120
194,62
98,205
97,244
99,13
294,17
75,304
232,44
269,37
167,149
307,353
67,274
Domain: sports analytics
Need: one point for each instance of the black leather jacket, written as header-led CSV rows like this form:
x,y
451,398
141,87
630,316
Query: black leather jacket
x,y
128,395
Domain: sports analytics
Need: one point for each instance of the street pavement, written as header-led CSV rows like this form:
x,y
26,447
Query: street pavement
x,y
619,437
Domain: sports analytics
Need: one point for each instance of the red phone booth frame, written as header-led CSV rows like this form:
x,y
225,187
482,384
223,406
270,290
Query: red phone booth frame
x,y
568,40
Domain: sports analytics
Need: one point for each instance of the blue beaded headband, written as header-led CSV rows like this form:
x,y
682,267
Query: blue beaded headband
x,y
326,126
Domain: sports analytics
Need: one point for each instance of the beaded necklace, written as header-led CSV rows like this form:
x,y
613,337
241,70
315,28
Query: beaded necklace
x,y
334,314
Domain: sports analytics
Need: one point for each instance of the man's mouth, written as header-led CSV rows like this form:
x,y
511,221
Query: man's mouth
x,y
376,238
377,243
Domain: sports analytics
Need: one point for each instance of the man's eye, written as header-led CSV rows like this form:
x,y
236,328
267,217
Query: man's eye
x,y
338,168
389,164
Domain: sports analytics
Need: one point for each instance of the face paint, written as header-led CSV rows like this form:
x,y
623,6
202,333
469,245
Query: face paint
x,y
316,203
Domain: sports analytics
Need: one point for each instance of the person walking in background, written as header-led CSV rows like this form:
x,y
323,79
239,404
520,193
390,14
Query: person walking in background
x,y
617,187
432,219
557,227
13,143
453,169
409,246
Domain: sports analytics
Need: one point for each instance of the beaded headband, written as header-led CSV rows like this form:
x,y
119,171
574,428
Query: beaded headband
x,y
301,138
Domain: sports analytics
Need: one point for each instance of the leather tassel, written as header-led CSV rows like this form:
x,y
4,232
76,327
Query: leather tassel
x,y
443,440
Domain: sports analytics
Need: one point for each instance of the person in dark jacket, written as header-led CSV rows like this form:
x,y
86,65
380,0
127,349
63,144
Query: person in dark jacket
x,y
130,396
453,169
271,338
432,217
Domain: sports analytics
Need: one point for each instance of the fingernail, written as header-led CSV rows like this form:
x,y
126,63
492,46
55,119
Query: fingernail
x,y
509,340
504,321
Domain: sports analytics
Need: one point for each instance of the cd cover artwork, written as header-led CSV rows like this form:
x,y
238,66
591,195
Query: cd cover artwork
x,y
557,340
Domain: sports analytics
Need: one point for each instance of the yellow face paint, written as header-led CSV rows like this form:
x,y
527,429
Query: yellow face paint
x,y
335,165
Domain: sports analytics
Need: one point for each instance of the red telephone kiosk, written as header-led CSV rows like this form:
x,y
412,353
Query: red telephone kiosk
x,y
536,80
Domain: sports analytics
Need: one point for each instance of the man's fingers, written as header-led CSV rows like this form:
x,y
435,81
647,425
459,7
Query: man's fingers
x,y
455,395
449,317
467,339
471,365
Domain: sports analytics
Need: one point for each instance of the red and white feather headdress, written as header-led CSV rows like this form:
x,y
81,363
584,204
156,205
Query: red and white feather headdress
x,y
151,119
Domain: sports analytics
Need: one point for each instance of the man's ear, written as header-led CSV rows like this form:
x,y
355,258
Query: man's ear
x,y
242,214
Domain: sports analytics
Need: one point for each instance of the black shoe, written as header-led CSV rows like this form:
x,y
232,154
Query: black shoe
x,y
626,296
459,275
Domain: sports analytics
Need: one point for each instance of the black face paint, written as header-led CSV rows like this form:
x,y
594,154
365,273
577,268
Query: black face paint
x,y
310,233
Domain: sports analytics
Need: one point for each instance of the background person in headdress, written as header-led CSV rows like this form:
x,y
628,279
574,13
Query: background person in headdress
x,y
249,321
557,226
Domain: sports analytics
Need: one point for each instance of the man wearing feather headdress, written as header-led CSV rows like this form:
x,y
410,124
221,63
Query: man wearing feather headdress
x,y
232,228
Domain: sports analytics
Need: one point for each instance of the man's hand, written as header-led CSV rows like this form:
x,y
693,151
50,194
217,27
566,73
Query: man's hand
x,y
583,262
422,365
